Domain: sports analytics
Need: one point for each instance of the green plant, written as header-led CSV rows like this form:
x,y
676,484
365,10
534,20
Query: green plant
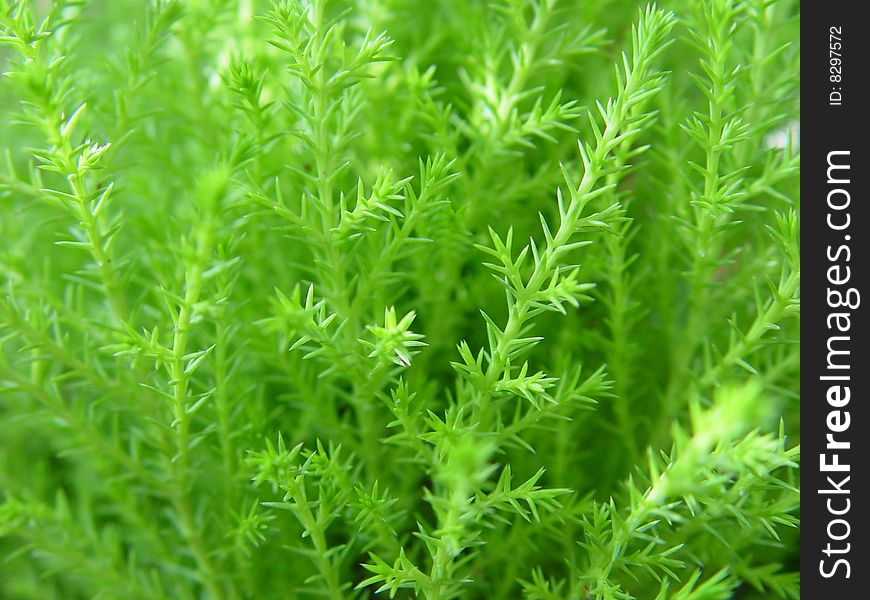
x,y
295,308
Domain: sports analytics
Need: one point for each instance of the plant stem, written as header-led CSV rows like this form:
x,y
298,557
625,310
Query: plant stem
x,y
193,282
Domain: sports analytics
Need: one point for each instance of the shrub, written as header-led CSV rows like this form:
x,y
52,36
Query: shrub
x,y
292,307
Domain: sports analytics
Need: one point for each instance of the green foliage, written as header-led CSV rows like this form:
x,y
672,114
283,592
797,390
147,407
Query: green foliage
x,y
353,299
